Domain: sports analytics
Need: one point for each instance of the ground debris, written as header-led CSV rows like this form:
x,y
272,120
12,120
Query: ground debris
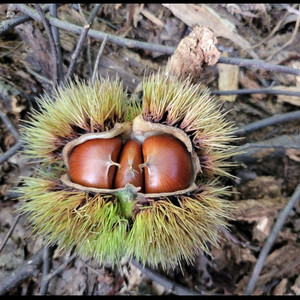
x,y
269,167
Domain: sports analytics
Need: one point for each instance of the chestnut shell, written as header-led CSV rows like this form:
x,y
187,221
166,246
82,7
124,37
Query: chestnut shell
x,y
138,129
92,162
168,166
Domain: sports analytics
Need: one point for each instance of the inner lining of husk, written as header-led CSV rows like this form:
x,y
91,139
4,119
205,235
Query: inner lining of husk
x,y
139,129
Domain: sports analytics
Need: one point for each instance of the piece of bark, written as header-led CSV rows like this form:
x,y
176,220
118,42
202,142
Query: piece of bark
x,y
228,79
193,52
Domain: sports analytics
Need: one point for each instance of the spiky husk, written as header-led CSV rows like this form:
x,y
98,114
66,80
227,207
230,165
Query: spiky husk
x,y
193,109
162,231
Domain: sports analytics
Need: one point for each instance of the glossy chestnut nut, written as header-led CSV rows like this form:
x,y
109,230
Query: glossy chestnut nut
x,y
167,164
129,171
93,163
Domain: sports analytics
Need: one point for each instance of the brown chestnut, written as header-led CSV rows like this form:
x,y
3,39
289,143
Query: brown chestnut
x,y
93,163
167,164
129,172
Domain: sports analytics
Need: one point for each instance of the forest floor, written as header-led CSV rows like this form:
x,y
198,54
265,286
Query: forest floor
x,y
266,176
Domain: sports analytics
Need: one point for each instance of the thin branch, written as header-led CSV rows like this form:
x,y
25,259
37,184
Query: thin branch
x,y
81,40
88,48
96,67
276,119
234,240
51,40
10,232
56,37
257,64
123,42
168,284
9,125
289,41
50,276
9,153
27,270
46,268
129,43
47,255
271,91
277,26
271,239
11,23
39,76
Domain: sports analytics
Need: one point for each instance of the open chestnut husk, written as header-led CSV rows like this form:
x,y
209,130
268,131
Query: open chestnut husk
x,y
149,188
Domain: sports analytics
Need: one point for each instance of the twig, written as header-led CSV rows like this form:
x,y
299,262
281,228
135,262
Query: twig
x,y
233,239
129,43
9,153
277,26
88,48
289,41
10,232
271,91
29,269
55,33
11,23
46,269
51,40
12,50
96,67
9,125
124,42
276,119
257,64
39,76
50,276
81,40
270,240
168,284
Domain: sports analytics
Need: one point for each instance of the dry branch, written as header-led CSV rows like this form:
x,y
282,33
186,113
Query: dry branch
x,y
27,270
9,125
271,91
81,41
276,119
52,43
168,284
271,239
12,151
11,23
56,37
129,43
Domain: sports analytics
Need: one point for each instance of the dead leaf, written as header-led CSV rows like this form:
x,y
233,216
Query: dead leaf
x,y
262,228
249,83
228,79
261,187
293,154
252,210
296,287
282,262
280,288
203,15
288,99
